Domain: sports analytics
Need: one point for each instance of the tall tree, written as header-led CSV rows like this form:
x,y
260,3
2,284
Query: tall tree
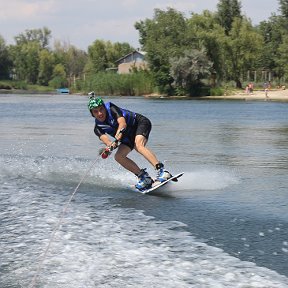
x,y
26,53
103,54
41,36
227,11
280,27
46,66
117,50
284,8
204,31
97,55
282,60
75,62
243,48
5,62
73,59
26,61
163,37
59,77
272,35
188,70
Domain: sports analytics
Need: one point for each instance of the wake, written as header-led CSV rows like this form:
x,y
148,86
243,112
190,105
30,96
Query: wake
x,y
105,173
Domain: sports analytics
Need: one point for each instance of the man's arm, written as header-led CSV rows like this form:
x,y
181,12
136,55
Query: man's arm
x,y
117,113
102,136
106,140
121,128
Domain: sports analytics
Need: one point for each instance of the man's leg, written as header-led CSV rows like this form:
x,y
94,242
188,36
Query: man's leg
x,y
140,147
144,180
127,163
162,173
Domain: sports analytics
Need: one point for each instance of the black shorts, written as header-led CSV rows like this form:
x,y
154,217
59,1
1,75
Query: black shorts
x,y
142,127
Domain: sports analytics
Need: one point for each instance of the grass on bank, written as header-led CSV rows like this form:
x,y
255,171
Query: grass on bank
x,y
22,85
115,84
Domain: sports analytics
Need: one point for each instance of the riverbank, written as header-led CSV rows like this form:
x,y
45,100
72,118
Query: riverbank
x,y
257,95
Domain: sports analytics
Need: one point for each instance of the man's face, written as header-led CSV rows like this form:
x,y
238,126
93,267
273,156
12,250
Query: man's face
x,y
99,113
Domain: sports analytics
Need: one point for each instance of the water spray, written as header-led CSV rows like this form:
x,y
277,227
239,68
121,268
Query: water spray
x,y
34,280
104,153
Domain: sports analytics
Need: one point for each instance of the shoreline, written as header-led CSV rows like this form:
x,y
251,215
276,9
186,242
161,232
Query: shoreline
x,y
257,95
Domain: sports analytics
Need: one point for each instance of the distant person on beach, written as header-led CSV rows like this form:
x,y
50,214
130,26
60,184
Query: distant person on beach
x,y
250,88
267,87
247,89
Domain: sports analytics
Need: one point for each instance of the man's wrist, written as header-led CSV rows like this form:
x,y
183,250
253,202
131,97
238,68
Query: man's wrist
x,y
119,134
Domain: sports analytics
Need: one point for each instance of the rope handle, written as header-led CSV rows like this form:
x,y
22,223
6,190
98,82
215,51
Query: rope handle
x,y
106,151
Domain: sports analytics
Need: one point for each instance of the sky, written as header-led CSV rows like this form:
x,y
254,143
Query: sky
x,y
80,23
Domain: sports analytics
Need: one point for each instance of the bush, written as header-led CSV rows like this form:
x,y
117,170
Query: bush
x,y
19,85
58,82
11,84
5,86
217,91
110,83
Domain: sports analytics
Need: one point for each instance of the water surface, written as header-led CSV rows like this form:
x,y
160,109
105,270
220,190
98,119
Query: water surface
x,y
223,225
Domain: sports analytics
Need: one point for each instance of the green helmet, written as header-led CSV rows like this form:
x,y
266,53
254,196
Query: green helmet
x,y
95,102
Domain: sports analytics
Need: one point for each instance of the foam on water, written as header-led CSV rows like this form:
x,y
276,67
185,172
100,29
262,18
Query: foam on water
x,y
206,180
199,182
103,245
65,170
105,173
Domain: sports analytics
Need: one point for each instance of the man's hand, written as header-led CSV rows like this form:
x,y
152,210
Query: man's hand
x,y
119,134
113,145
105,152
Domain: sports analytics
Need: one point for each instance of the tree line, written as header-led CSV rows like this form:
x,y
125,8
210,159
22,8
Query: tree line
x,y
186,55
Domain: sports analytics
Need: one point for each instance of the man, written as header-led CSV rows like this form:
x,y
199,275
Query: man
x,y
132,131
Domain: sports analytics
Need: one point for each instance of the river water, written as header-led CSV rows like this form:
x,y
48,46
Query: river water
x,y
224,224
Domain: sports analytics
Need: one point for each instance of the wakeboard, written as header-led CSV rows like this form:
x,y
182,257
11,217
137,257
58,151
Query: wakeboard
x,y
158,184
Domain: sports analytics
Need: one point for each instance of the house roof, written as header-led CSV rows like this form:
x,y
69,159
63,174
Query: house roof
x,y
142,53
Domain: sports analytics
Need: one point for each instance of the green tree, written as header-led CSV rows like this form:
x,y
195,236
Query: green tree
x,y
117,50
204,31
271,32
59,77
26,54
46,65
73,59
282,62
188,71
5,62
243,48
98,56
274,32
163,37
60,50
41,36
227,11
25,59
284,8
103,54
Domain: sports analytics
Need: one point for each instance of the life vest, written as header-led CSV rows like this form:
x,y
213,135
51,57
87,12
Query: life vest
x,y
110,124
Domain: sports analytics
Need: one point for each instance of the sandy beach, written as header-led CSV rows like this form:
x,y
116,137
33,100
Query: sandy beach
x,y
272,95
279,95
